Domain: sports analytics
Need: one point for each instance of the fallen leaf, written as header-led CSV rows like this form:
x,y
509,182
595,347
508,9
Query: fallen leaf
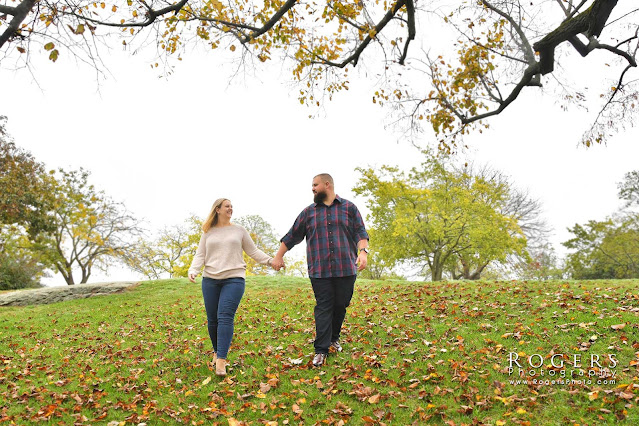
x,y
265,387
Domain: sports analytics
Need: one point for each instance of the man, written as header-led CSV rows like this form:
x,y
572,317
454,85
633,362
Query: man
x,y
336,248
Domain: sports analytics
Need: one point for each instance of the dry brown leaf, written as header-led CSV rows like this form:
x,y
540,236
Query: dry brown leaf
x,y
374,399
265,387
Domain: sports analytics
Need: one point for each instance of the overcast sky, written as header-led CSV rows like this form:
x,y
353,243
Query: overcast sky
x,y
168,147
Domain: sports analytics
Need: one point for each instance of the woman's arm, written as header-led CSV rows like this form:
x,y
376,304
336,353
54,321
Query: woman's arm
x,y
198,259
251,249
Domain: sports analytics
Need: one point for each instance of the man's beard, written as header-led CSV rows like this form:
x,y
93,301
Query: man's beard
x,y
320,196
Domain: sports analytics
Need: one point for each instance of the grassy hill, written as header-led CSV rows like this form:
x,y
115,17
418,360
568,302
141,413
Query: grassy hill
x,y
413,353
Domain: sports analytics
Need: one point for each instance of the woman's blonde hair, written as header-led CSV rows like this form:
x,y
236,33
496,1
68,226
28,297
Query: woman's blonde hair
x,y
211,220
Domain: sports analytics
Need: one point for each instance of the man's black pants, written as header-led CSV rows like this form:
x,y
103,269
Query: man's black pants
x,y
332,297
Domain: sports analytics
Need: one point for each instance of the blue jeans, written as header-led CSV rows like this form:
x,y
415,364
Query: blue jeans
x,y
221,299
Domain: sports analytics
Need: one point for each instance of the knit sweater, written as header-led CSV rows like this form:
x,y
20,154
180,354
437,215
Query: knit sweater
x,y
220,252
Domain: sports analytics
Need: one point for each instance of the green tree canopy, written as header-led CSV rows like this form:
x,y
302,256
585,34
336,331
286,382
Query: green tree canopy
x,y
25,197
169,254
25,213
20,267
439,218
604,249
608,248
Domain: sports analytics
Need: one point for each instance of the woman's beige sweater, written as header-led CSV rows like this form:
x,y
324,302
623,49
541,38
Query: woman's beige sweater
x,y
220,252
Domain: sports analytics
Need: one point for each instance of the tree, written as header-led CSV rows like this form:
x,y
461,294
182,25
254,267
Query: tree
x,y
25,203
90,228
171,253
528,213
377,267
26,187
543,264
605,249
264,237
20,267
629,188
439,218
516,204
497,49
608,248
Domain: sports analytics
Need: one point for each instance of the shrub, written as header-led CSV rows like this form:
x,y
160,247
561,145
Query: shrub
x,y
19,273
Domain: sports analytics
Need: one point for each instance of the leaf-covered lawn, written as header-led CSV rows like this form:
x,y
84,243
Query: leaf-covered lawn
x,y
413,353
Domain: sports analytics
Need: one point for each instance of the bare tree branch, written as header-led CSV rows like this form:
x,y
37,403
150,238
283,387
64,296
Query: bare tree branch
x,y
151,16
410,11
354,57
528,76
19,13
529,54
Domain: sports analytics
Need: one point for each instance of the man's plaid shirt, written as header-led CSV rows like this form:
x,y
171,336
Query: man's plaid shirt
x,y
332,233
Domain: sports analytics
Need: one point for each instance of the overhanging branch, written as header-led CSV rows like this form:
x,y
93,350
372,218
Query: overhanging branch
x,y
19,13
354,57
152,15
528,76
271,22
410,11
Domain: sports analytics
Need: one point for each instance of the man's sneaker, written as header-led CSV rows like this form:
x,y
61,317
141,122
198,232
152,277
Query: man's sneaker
x,y
335,345
319,359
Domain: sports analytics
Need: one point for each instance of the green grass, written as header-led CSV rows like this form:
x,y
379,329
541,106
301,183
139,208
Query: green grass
x,y
414,353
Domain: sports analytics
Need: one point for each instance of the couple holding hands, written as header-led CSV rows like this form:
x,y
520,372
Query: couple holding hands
x,y
336,248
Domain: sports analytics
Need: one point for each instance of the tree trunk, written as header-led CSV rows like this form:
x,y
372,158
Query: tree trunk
x,y
437,267
477,274
69,278
67,273
86,273
437,273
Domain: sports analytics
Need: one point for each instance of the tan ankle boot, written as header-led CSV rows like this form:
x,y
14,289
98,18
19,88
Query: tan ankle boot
x,y
220,367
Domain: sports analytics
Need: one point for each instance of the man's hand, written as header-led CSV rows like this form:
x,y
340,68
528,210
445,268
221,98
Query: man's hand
x,y
362,260
192,277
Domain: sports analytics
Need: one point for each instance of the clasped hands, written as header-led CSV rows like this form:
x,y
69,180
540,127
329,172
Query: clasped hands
x,y
277,263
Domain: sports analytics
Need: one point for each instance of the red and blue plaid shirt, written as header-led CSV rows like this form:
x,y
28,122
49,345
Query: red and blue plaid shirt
x,y
332,233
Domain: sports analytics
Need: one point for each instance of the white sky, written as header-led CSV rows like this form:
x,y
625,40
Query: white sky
x,y
170,147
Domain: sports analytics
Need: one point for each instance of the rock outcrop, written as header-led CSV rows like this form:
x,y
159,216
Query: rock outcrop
x,y
46,295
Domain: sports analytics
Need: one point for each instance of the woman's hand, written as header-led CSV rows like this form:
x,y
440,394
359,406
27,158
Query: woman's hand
x,y
277,263
192,277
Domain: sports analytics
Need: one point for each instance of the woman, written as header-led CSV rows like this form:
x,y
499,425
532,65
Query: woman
x,y
220,253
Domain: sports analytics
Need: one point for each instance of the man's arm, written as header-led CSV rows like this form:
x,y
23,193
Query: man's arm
x,y
362,255
296,234
278,260
359,233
